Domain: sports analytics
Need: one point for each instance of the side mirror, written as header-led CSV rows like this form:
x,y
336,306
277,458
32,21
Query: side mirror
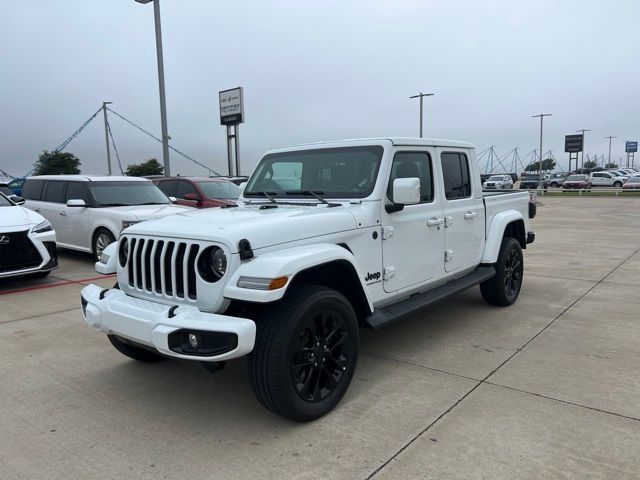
x,y
173,199
76,203
191,196
17,200
406,191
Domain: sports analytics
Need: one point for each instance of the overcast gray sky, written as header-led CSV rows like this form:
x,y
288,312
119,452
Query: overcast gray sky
x,y
316,70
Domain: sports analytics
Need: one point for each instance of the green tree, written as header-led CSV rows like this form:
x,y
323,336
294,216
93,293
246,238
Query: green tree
x,y
611,165
547,164
590,164
150,167
56,163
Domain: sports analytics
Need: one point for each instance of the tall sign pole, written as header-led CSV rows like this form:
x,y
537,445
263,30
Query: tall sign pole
x,y
573,144
609,158
232,115
421,97
106,135
582,130
541,115
631,147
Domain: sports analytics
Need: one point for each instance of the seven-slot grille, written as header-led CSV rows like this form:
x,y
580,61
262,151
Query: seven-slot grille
x,y
163,267
17,252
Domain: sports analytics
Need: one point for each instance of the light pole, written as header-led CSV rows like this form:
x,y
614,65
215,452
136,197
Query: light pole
x,y
106,135
421,96
163,102
582,153
542,115
609,137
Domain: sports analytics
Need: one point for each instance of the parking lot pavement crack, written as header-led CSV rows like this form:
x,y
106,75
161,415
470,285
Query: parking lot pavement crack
x,y
377,355
13,320
628,417
485,379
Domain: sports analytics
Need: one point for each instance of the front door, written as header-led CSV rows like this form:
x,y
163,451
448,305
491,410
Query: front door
x,y
463,212
413,238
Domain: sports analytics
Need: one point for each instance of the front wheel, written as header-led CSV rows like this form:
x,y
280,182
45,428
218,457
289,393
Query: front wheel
x,y
305,353
101,239
503,289
617,184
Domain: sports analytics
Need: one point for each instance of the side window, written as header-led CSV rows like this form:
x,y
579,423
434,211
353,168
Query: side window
x,y
184,188
54,191
455,175
77,191
413,165
32,189
599,175
168,187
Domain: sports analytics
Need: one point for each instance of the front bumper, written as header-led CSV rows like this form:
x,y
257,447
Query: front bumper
x,y
152,324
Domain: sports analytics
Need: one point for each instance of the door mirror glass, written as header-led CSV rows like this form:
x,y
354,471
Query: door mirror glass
x,y
76,202
406,191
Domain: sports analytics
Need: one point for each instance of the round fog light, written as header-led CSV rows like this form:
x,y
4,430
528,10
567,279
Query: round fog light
x,y
193,340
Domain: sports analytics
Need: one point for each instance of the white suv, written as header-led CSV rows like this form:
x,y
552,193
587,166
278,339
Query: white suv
x,y
89,212
499,182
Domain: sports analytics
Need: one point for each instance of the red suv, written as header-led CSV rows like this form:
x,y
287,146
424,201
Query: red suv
x,y
199,192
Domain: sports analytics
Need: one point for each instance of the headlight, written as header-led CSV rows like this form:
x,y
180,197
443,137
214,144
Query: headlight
x,y
123,251
42,227
128,223
212,264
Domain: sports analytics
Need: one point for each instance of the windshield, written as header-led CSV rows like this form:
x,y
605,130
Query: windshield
x,y
576,178
346,172
224,190
495,178
4,201
117,194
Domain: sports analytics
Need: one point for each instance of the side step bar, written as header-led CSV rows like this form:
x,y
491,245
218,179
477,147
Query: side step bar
x,y
388,314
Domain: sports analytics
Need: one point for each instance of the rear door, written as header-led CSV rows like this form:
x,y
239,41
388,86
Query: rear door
x,y
463,210
52,207
413,238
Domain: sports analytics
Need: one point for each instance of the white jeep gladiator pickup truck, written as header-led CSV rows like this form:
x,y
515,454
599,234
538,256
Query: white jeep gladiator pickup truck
x,y
327,237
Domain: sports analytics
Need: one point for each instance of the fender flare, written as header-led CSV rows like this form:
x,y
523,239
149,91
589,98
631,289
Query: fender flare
x,y
495,232
288,262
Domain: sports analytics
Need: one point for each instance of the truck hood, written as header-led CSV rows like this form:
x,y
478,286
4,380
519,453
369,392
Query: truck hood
x,y
145,212
262,227
18,216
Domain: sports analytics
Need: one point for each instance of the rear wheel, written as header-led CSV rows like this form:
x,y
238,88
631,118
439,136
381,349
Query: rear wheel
x,y
617,184
305,353
137,353
503,289
101,239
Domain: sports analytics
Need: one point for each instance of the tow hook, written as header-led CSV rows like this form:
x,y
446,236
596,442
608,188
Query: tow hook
x,y
213,367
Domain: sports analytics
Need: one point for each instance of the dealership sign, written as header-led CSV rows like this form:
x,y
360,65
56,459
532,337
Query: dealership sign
x,y
231,106
631,147
573,143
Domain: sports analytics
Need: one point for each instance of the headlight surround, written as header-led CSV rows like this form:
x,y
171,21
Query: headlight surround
x,y
42,227
212,264
123,251
128,223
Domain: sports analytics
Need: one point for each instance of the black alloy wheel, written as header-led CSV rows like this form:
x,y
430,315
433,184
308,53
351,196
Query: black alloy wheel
x,y
320,356
503,288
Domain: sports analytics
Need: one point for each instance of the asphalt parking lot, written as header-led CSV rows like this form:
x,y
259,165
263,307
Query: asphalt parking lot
x,y
548,388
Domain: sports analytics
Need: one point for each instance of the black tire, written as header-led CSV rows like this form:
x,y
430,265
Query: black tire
x,y
98,236
137,353
617,184
554,185
503,289
302,328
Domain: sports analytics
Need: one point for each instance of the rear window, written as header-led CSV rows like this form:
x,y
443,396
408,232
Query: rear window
x,y
54,192
32,189
455,174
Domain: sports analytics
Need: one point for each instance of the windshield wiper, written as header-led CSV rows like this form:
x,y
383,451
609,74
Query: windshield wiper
x,y
264,194
114,205
153,203
317,194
